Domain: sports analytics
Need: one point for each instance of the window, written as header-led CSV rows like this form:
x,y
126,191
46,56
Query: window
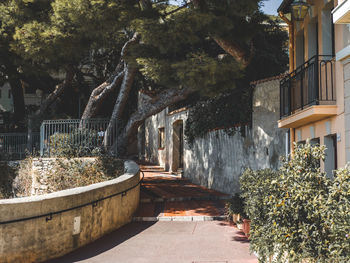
x,y
9,94
161,138
330,162
0,93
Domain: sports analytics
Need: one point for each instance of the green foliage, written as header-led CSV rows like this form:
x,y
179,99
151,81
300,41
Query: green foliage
x,y
7,175
235,206
339,215
227,111
80,142
297,212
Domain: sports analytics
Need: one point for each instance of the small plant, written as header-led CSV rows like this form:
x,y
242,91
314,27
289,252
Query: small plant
x,y
7,175
80,142
235,207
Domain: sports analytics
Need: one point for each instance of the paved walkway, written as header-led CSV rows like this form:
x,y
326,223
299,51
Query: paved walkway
x,y
167,242
176,223
165,197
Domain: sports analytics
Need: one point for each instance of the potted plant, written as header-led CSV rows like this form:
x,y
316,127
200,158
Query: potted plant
x,y
240,224
246,226
235,208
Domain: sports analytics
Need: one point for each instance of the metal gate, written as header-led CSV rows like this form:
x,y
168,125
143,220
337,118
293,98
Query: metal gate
x,y
15,146
76,137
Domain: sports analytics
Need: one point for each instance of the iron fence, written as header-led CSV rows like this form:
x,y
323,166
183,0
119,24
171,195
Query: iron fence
x,y
310,84
76,137
15,146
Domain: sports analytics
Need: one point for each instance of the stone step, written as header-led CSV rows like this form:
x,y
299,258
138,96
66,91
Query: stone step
x,y
187,198
178,218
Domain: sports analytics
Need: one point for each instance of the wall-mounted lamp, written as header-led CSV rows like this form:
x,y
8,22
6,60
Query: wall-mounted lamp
x,y
299,9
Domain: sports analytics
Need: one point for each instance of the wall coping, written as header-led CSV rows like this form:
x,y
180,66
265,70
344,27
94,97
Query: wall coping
x,y
131,169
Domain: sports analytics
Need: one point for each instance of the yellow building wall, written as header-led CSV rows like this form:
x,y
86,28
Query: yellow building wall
x,y
337,124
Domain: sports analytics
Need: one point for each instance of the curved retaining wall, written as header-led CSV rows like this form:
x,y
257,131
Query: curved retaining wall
x,y
42,238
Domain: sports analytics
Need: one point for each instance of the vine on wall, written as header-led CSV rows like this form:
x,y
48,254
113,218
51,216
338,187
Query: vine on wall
x,y
227,111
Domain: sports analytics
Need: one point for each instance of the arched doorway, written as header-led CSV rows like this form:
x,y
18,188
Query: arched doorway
x,y
178,146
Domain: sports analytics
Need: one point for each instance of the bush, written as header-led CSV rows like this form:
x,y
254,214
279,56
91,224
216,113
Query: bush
x,y
297,212
256,191
339,216
79,143
7,175
71,173
235,206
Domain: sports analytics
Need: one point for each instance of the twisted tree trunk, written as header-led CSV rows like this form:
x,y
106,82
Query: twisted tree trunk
x,y
151,107
102,92
18,99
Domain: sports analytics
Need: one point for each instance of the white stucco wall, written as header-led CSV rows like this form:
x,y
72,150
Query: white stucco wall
x,y
218,160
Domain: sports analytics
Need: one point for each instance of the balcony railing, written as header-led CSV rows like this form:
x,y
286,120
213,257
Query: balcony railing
x,y
310,84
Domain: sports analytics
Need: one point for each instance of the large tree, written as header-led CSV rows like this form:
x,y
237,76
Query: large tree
x,y
165,52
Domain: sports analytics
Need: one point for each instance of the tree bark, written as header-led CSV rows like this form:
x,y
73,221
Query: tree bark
x,y
238,53
154,106
18,99
100,93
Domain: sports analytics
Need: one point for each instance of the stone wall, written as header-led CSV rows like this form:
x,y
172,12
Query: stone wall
x,y
40,168
218,160
42,238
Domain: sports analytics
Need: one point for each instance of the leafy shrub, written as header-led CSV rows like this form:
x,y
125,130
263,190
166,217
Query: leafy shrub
x,y
291,212
339,216
7,175
71,173
256,191
235,206
79,143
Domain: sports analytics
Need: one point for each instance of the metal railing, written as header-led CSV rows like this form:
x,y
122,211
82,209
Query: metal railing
x,y
80,137
15,146
310,84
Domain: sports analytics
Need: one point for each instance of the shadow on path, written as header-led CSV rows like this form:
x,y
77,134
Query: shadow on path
x,y
105,243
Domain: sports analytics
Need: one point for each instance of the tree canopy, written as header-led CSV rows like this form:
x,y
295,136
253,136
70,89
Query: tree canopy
x,y
166,51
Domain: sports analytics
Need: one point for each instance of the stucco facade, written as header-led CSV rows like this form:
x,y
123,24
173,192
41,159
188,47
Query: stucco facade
x,y
321,116
218,159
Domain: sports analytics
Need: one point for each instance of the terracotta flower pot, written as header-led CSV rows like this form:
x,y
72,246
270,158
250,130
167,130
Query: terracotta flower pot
x,y
246,227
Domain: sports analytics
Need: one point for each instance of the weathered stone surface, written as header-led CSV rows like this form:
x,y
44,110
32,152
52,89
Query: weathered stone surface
x,y
37,240
218,160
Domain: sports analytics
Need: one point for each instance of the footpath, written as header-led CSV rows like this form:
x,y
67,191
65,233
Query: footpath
x,y
177,222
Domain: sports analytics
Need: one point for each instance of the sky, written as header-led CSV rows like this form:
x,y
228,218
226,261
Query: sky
x,y
270,6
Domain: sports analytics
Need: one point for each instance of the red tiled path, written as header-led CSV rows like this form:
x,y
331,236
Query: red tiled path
x,y
165,195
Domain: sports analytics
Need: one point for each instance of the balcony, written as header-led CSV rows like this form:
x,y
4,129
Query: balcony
x,y
308,93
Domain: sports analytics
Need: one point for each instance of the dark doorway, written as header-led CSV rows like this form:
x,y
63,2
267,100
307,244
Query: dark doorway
x,y
178,146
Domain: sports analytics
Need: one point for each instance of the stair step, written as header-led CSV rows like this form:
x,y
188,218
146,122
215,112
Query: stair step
x,y
187,198
179,218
